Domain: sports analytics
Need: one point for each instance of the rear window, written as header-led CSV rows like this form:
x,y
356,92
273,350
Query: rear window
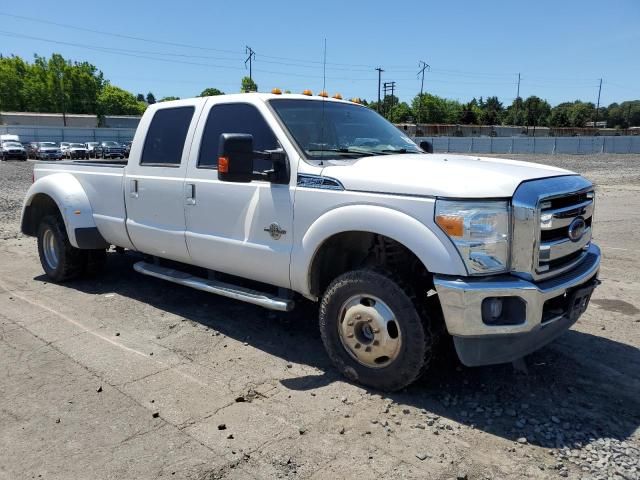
x,y
166,136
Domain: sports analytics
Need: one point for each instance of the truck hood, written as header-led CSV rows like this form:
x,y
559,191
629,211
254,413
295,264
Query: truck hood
x,y
445,175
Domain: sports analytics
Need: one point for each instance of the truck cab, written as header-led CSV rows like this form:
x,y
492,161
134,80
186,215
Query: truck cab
x,y
276,197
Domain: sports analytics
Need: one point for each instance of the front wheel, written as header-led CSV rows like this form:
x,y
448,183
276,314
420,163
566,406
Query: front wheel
x,y
60,260
373,332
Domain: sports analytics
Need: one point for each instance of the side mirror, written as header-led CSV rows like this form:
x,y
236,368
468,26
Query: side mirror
x,y
235,157
426,146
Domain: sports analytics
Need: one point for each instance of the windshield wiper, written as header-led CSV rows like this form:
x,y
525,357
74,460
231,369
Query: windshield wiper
x,y
399,150
345,151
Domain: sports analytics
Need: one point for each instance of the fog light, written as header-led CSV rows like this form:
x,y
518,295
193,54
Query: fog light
x,y
504,311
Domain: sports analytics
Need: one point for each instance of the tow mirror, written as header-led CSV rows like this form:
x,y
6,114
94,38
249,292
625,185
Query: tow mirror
x,y
426,146
235,157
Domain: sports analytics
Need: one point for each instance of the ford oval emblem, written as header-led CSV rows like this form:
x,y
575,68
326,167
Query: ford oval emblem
x,y
576,229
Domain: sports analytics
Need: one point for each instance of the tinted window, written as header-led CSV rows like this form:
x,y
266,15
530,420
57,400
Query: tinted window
x,y
235,118
166,136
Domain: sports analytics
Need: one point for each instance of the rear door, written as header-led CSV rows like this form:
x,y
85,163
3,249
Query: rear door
x,y
154,183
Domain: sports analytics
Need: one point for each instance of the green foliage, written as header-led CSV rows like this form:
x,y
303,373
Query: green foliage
x,y
248,85
491,111
168,99
151,98
210,92
433,109
536,111
116,101
400,113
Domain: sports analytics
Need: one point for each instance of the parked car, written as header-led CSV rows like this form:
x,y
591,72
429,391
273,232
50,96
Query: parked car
x,y
112,150
32,149
64,146
48,151
15,150
402,248
77,151
94,149
127,149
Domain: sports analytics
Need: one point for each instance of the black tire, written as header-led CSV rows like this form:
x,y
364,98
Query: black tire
x,y
71,261
415,325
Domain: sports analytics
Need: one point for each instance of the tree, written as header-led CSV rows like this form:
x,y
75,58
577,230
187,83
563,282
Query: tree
x,y
168,99
210,92
491,111
433,109
470,113
140,97
116,101
248,85
151,99
400,113
537,111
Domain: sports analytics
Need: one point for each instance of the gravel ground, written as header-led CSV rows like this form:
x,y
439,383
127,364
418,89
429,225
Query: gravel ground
x,y
130,377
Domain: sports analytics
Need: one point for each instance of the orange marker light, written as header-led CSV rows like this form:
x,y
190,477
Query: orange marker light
x,y
276,91
355,100
307,92
453,226
324,94
223,165
337,96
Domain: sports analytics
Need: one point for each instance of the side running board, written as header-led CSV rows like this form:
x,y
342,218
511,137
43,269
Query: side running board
x,y
214,286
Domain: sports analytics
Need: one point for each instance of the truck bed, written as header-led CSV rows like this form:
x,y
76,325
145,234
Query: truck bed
x,y
103,182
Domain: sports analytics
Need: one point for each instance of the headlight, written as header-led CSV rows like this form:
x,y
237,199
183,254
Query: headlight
x,y
480,232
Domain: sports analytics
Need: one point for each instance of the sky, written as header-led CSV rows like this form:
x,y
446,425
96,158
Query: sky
x,y
561,48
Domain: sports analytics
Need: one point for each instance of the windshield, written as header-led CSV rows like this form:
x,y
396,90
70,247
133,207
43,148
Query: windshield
x,y
110,144
12,145
77,145
48,144
332,130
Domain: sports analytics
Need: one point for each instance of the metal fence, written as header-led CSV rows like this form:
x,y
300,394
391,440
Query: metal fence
x,y
69,134
545,145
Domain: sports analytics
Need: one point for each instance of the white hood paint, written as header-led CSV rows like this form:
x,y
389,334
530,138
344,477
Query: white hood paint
x,y
445,175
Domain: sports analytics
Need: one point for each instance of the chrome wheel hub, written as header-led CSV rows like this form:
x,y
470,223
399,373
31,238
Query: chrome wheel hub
x,y
50,249
369,331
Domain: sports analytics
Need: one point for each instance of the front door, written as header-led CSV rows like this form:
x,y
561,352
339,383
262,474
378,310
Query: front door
x,y
242,229
154,184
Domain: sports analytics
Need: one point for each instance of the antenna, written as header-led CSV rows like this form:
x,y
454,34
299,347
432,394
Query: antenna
x,y
324,67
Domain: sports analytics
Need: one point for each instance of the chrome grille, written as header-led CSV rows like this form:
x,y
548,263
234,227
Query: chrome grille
x,y
557,252
544,217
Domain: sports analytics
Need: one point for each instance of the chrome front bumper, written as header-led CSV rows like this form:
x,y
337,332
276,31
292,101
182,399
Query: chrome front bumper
x,y
480,344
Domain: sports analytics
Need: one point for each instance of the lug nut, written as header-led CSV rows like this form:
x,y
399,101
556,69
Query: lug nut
x,y
358,317
367,349
357,345
350,323
369,319
376,342
376,330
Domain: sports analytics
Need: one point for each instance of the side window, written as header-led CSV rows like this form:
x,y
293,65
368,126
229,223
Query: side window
x,y
235,118
166,136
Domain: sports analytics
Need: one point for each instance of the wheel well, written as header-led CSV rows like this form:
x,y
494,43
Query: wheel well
x,y
351,250
41,206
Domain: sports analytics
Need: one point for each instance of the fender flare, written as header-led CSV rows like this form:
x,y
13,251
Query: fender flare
x,y
72,201
435,251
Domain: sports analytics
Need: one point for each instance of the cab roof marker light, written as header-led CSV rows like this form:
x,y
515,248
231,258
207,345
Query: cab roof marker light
x,y
307,92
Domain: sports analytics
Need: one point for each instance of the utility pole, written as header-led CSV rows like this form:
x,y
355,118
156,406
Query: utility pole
x,y
252,56
595,122
380,70
517,99
423,66
389,87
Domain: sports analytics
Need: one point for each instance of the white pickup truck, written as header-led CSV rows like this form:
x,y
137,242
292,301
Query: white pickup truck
x,y
264,198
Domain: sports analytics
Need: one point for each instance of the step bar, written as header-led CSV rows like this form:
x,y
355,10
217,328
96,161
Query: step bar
x,y
214,286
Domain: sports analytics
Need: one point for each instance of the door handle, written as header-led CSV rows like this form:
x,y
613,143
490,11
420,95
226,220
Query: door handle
x,y
133,189
190,193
